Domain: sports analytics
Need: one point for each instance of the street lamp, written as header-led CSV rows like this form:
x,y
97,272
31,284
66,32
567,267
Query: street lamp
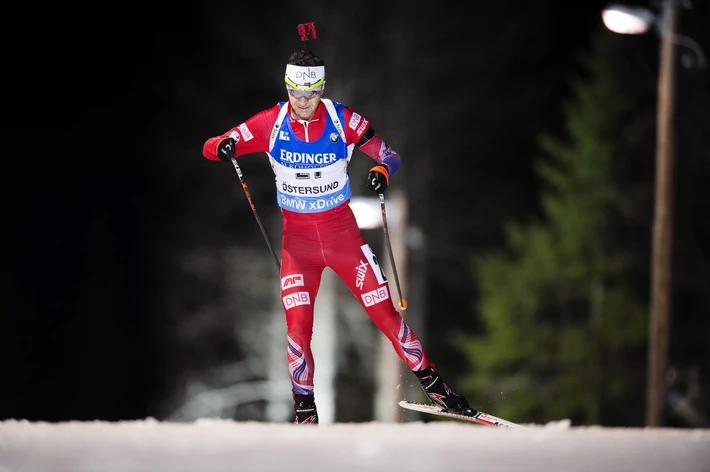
x,y
628,20
624,19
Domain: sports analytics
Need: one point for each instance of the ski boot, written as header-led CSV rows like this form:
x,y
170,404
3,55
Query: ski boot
x,y
441,395
305,408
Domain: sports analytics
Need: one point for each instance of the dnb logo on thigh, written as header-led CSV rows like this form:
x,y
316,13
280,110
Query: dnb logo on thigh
x,y
296,299
373,297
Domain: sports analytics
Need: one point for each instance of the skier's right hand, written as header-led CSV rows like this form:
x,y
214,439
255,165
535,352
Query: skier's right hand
x,y
226,148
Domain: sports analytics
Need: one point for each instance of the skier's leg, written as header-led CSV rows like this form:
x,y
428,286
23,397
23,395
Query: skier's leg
x,y
366,280
299,286
302,265
360,270
358,266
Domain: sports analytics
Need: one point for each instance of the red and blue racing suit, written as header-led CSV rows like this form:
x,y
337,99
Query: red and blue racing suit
x,y
310,160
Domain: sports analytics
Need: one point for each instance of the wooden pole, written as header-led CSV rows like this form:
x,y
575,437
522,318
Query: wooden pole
x,y
662,224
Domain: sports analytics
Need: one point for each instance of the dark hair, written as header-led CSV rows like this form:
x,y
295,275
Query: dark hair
x,y
305,58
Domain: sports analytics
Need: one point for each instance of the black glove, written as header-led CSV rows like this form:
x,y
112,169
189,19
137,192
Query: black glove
x,y
226,148
378,178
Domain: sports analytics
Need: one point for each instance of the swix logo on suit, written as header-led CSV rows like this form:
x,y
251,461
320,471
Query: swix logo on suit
x,y
361,273
327,185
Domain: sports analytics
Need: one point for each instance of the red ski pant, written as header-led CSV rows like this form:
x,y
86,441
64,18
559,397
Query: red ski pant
x,y
332,239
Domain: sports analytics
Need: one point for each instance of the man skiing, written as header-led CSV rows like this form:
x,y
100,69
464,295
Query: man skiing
x,y
309,141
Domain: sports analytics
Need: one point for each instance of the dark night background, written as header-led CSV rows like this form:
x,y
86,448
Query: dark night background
x,y
105,117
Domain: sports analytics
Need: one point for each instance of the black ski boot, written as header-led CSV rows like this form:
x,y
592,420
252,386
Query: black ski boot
x,y
305,408
441,395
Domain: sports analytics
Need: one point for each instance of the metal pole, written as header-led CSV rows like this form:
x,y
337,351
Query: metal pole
x,y
402,304
391,373
662,223
253,209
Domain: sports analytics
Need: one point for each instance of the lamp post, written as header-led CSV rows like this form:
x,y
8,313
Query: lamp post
x,y
632,20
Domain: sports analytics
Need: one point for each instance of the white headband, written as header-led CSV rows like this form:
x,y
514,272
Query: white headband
x,y
305,77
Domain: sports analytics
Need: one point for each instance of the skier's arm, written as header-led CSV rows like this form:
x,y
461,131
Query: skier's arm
x,y
249,137
374,146
361,133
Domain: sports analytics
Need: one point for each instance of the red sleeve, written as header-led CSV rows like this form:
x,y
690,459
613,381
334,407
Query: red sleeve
x,y
356,125
251,136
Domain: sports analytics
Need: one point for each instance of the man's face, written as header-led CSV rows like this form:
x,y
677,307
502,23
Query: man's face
x,y
304,104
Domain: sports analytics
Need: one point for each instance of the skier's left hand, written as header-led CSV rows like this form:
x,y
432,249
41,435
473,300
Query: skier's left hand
x,y
378,178
225,149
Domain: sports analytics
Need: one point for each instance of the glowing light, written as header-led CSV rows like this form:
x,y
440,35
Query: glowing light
x,y
627,20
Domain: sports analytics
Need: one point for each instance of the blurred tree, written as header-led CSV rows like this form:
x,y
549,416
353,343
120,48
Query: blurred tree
x,y
492,86
564,326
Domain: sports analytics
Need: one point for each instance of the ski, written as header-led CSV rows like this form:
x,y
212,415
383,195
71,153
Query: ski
x,y
479,416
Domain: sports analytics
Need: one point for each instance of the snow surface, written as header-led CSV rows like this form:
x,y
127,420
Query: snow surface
x,y
223,445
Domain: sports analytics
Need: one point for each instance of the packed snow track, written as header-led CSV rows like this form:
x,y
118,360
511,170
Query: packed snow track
x,y
221,445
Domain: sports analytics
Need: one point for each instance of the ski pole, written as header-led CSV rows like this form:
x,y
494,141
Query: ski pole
x,y
402,302
253,208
